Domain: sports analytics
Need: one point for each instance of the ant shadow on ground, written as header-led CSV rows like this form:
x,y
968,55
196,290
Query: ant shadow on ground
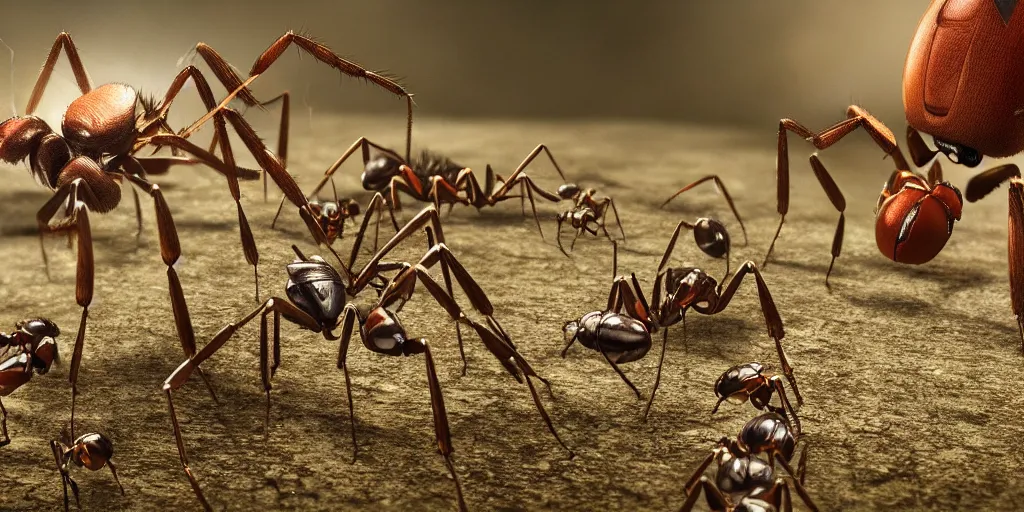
x,y
950,279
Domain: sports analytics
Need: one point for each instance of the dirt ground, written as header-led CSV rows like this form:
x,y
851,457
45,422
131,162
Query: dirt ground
x,y
908,372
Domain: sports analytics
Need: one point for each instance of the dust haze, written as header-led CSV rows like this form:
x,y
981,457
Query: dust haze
x,y
735,62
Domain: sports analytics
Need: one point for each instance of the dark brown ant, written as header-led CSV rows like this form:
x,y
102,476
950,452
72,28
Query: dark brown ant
x,y
619,338
745,482
692,288
711,244
748,381
316,300
36,341
586,214
91,451
434,178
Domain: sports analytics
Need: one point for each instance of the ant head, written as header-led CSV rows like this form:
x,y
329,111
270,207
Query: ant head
x,y
568,191
379,170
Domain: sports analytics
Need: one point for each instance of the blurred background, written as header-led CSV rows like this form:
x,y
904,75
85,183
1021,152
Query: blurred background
x,y
736,62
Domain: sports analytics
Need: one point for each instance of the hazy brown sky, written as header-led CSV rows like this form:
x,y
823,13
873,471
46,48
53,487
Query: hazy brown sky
x,y
729,61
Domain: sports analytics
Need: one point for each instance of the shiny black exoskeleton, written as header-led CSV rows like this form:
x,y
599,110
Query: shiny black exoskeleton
x,y
768,433
317,289
383,166
742,475
29,334
749,381
622,339
746,482
711,237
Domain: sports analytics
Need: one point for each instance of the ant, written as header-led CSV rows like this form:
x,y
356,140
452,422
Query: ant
x,y
748,381
585,212
742,473
915,213
689,288
36,341
316,300
91,451
436,179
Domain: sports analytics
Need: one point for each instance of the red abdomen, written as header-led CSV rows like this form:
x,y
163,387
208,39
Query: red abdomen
x,y
914,224
964,77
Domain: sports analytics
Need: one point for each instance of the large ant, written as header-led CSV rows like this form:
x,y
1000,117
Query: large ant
x,y
316,300
106,127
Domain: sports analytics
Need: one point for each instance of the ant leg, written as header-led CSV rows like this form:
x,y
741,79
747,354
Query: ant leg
x,y
800,490
615,211
978,187
77,222
81,77
619,371
838,201
692,495
935,173
376,205
657,378
558,237
856,117
113,471
725,192
512,178
501,347
57,454
3,425
920,153
776,383
441,429
282,133
771,317
983,183
565,350
672,245
320,52
362,143
351,314
181,374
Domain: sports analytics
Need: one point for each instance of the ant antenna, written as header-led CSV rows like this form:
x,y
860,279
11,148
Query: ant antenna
x,y
14,109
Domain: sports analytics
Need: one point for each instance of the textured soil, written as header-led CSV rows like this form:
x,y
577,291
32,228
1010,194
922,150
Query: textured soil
x,y
908,372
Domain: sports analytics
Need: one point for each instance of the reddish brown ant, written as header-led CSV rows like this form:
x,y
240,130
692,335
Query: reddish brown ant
x,y
91,451
36,343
